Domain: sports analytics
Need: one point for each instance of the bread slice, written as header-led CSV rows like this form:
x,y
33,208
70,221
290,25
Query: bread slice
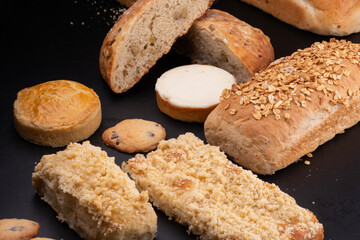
x,y
190,92
56,113
145,32
334,18
198,186
91,193
222,40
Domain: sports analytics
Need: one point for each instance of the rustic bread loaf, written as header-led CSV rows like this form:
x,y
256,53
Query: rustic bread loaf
x,y
222,40
127,3
145,32
190,92
196,185
298,103
91,194
336,17
56,113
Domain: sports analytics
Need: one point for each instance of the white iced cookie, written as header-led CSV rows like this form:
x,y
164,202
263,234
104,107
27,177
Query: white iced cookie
x,y
189,93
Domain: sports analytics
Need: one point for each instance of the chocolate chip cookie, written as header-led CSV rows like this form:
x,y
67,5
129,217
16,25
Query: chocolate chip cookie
x,y
134,135
17,229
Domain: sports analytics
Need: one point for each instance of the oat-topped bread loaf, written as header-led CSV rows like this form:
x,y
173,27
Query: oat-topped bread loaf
x,y
222,40
145,32
93,195
325,17
298,103
196,185
56,113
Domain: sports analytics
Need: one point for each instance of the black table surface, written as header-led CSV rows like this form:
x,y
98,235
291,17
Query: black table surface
x,y
48,40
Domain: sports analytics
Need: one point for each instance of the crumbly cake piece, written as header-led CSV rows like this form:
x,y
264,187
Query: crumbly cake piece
x,y
198,186
91,193
286,111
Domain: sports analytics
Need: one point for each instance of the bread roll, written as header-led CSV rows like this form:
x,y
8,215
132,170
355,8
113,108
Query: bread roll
x,y
335,17
145,32
298,103
222,40
189,93
197,185
56,113
90,193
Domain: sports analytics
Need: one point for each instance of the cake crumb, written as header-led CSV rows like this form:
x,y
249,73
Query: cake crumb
x,y
307,162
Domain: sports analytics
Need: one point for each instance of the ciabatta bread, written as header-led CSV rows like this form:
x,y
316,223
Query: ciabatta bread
x,y
56,113
190,92
288,110
222,40
93,195
145,32
335,17
197,185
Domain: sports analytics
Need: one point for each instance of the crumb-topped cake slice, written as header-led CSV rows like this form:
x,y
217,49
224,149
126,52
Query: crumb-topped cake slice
x,y
198,186
91,193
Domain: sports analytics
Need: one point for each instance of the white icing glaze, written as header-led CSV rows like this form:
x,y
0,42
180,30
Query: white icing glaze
x,y
196,86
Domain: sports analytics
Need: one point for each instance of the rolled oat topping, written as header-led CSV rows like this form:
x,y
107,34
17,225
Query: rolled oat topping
x,y
318,68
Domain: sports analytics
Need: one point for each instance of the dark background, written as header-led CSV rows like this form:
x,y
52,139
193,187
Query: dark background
x,y
49,40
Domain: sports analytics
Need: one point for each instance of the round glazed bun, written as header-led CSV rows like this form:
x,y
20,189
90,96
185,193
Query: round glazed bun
x,y
56,113
189,93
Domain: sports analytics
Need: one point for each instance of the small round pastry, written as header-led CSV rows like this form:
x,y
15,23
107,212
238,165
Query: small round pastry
x,y
134,135
56,113
14,229
189,93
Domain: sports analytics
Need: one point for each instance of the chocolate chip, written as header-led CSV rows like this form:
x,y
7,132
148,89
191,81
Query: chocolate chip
x,y
150,134
114,135
16,229
117,141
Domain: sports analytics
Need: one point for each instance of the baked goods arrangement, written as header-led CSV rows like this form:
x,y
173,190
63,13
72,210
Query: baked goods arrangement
x,y
257,115
56,113
334,18
197,185
298,103
93,195
190,92
222,40
145,32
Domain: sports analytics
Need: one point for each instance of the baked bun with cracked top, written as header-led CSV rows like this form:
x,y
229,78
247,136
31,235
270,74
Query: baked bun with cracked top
x,y
190,92
56,113
222,40
144,33
298,103
335,17
195,184
91,193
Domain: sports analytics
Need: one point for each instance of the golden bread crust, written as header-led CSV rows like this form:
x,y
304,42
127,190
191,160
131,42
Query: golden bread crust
x,y
249,44
186,114
336,17
57,112
288,110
